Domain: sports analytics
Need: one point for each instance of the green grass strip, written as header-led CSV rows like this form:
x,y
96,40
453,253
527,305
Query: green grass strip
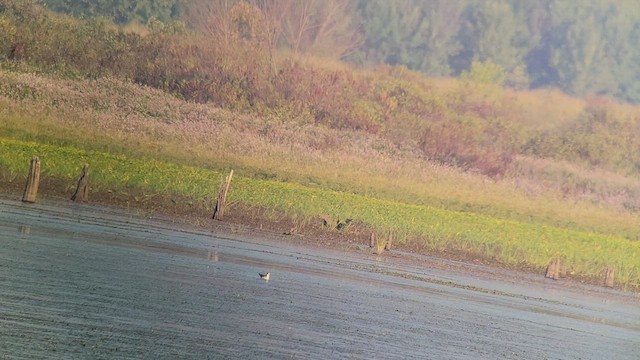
x,y
509,242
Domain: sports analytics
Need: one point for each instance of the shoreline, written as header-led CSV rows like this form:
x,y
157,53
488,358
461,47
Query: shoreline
x,y
247,226
91,281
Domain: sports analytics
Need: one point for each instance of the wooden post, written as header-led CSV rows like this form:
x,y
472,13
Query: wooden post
x,y
218,212
609,274
213,256
553,269
33,181
379,248
372,240
387,246
25,229
82,191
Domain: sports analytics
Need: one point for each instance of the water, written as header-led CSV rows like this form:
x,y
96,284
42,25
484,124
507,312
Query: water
x,y
81,282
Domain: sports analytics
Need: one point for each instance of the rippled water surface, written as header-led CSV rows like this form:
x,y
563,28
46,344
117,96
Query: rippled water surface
x,y
79,282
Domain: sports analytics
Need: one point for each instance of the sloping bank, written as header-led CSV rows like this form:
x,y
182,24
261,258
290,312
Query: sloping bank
x,y
508,242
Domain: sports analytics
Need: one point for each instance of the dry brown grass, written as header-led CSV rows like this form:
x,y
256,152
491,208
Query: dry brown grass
x,y
543,109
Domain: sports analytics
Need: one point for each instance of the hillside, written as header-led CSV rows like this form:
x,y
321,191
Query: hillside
x,y
584,48
531,159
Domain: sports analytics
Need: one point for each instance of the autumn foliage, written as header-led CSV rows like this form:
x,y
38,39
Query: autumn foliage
x,y
471,124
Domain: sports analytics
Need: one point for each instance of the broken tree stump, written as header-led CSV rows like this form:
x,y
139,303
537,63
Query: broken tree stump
x,y
25,229
379,248
553,269
218,212
82,191
387,246
372,240
33,181
608,276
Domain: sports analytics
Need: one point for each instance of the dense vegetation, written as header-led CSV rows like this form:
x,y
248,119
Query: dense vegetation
x,y
120,11
582,47
229,96
473,127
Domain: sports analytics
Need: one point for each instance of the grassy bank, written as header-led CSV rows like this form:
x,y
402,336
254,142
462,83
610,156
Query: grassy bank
x,y
118,117
512,243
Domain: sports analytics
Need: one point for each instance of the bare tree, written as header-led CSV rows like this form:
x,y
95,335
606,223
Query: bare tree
x,y
212,18
335,30
319,27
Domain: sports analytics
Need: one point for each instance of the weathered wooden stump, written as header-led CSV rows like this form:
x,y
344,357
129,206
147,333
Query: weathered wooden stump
x,y
553,269
33,181
379,248
387,246
608,276
82,191
25,229
213,256
372,240
218,212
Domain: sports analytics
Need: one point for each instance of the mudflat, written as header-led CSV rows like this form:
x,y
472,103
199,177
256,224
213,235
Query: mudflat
x,y
81,281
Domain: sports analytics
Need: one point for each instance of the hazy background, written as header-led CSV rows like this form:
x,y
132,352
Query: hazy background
x,y
585,48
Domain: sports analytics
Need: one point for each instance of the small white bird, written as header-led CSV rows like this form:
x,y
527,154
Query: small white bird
x,y
265,276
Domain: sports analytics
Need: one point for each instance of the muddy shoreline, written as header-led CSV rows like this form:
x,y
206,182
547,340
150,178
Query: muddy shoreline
x,y
248,224
252,222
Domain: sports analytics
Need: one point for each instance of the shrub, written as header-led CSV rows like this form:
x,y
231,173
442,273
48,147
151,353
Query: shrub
x,y
7,35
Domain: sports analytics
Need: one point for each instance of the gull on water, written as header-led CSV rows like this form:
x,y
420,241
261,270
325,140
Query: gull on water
x,y
265,276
